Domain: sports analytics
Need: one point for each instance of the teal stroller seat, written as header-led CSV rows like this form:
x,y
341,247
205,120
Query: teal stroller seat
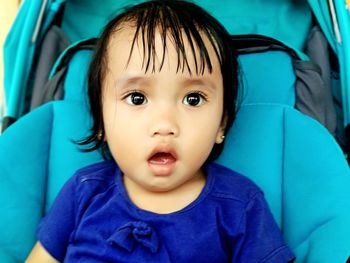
x,y
292,157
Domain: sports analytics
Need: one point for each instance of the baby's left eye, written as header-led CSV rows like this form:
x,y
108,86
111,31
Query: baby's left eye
x,y
194,99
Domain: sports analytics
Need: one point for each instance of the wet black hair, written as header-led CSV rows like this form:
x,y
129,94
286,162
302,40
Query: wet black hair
x,y
175,19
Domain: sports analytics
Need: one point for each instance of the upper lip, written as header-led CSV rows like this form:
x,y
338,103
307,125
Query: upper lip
x,y
163,149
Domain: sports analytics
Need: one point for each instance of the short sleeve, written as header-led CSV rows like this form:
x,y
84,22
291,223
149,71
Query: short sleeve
x,y
260,237
56,227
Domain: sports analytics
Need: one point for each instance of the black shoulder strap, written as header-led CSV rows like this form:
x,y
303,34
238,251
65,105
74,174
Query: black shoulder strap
x,y
312,96
247,44
54,88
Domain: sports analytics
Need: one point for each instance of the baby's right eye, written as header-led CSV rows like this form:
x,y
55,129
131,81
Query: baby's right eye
x,y
136,98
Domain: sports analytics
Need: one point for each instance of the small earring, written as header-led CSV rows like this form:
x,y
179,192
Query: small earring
x,y
220,139
99,135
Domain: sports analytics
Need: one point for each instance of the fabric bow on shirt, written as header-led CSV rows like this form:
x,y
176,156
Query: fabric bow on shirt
x,y
135,233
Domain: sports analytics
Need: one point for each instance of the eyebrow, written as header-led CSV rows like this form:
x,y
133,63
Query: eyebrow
x,y
131,80
200,82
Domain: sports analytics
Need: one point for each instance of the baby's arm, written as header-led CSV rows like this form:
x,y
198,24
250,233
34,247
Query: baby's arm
x,y
40,255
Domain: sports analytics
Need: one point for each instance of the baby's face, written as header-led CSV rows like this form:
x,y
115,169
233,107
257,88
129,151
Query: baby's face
x,y
160,126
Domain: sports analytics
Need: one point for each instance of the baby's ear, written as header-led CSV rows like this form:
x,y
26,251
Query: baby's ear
x,y
221,132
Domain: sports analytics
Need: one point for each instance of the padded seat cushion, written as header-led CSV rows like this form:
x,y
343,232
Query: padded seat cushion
x,y
290,156
71,123
303,174
24,149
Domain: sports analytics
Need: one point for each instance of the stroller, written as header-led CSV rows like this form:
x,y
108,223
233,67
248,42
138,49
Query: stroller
x,y
46,43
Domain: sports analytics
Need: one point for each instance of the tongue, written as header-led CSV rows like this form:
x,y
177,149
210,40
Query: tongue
x,y
162,159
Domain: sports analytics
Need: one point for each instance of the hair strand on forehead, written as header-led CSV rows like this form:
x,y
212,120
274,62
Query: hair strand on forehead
x,y
175,29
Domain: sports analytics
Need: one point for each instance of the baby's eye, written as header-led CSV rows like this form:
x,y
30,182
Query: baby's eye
x,y
136,98
194,99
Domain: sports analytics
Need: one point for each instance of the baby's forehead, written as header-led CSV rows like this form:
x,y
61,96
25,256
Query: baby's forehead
x,y
129,45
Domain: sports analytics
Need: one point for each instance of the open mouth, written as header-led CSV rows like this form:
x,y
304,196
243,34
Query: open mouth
x,y
162,162
162,158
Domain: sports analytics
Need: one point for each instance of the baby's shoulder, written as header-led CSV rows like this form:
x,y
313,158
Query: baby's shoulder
x,y
230,185
95,177
104,171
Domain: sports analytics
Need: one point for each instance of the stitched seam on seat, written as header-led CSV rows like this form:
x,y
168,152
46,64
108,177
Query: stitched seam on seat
x,y
48,163
284,130
275,104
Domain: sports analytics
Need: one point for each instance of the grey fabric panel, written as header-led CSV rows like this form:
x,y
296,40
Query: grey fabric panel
x,y
313,85
53,44
53,89
336,90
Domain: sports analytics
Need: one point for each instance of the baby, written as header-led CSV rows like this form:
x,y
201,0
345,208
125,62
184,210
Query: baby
x,y
162,89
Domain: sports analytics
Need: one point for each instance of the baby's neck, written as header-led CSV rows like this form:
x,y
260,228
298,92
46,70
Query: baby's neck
x,y
168,201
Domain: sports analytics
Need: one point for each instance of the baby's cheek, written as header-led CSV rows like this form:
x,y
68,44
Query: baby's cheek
x,y
199,146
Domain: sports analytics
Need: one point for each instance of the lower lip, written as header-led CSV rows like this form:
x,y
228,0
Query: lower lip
x,y
165,169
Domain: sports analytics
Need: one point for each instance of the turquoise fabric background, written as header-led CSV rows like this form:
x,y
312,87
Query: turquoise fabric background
x,y
280,19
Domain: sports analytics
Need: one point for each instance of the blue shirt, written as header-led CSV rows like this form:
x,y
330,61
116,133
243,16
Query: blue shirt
x,y
93,220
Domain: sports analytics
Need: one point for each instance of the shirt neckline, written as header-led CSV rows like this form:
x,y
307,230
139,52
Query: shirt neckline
x,y
146,213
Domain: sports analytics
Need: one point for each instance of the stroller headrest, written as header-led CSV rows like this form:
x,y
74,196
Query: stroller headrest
x,y
267,77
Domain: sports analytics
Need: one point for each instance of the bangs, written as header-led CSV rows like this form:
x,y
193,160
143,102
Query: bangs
x,y
177,25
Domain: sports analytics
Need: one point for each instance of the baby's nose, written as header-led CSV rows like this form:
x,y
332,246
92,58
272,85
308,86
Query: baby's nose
x,y
164,130
165,124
